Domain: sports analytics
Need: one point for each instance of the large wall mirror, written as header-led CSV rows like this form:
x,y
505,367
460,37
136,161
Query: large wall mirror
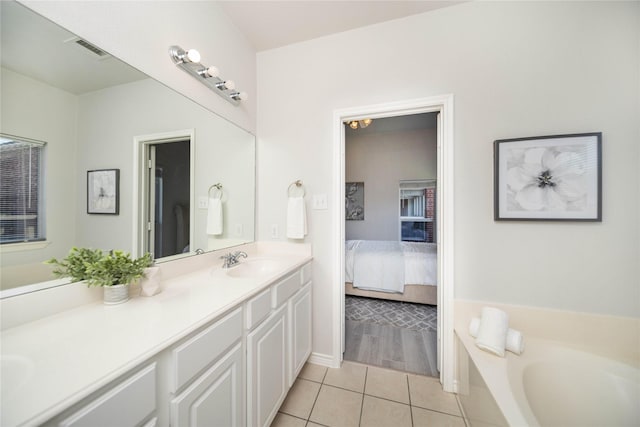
x,y
85,110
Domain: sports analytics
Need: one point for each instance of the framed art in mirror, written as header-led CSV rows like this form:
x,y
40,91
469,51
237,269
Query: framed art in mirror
x,y
103,191
556,178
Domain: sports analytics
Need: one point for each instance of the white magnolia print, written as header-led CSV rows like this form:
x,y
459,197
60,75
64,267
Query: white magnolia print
x,y
541,179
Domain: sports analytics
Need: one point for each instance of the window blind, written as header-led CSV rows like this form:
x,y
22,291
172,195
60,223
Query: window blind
x,y
21,189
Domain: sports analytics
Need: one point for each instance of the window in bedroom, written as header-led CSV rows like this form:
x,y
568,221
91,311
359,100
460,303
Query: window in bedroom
x,y
21,201
418,211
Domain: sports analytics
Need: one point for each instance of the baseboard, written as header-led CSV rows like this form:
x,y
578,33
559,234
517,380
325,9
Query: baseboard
x,y
323,360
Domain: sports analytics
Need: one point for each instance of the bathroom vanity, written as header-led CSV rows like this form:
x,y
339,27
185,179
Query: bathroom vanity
x,y
216,347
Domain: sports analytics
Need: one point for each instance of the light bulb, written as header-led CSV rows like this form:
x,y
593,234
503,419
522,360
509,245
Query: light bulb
x,y
366,122
239,96
230,84
353,124
213,71
192,56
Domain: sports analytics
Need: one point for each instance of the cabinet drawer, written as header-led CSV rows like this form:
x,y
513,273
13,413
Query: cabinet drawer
x,y
127,404
199,351
305,272
258,308
287,287
215,398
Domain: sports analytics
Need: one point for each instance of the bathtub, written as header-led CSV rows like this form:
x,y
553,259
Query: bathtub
x,y
550,384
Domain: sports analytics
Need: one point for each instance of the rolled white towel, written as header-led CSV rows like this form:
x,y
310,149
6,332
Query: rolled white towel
x,y
492,333
515,340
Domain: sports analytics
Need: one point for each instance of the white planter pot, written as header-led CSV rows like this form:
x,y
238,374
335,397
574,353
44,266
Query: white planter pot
x,y
116,294
150,284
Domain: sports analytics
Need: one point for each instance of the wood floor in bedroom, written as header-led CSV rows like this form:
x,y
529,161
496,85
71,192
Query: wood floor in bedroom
x,y
392,347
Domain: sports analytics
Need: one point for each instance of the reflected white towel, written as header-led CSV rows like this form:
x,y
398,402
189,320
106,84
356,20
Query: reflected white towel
x,y
296,218
214,217
515,340
492,333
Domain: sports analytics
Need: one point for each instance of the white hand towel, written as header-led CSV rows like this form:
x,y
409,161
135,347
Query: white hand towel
x,y
214,217
515,340
296,218
492,333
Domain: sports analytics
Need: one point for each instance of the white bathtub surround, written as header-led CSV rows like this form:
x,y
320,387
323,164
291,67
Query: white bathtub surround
x,y
492,332
296,218
515,339
594,359
70,354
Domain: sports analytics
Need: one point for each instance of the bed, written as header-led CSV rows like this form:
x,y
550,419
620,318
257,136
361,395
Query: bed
x,y
391,270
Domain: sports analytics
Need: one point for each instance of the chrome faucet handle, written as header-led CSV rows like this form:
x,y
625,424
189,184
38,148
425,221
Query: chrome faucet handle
x,y
239,254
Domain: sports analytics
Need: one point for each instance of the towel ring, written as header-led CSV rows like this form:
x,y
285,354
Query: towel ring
x,y
218,188
294,186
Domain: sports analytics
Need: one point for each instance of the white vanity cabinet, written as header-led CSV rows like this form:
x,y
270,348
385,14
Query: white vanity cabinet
x,y
235,370
127,402
278,347
299,331
213,397
267,381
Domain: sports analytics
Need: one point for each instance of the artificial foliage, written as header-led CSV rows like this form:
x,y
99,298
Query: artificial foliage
x,y
99,268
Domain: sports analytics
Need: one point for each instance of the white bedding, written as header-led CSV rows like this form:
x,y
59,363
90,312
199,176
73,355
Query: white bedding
x,y
372,264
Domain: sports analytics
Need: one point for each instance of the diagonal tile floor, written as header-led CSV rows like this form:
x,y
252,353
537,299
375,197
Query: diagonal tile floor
x,y
359,395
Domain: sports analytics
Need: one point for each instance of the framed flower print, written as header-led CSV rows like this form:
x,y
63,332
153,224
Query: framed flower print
x,y
556,178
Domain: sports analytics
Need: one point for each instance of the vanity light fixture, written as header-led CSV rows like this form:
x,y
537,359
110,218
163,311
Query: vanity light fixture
x,y
189,61
353,124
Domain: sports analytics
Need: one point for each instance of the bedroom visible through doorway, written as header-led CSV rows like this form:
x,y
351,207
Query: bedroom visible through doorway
x,y
391,243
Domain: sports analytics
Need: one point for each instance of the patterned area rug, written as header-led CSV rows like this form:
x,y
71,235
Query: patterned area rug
x,y
394,313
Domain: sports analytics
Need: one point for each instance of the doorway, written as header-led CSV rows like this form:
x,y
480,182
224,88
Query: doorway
x,y
165,187
444,106
391,247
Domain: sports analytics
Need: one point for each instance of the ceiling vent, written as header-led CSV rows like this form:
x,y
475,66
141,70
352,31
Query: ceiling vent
x,y
96,51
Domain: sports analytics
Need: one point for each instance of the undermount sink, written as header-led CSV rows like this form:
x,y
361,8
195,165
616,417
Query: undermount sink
x,y
15,370
256,267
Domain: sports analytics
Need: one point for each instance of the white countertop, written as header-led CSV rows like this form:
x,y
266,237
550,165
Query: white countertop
x,y
69,355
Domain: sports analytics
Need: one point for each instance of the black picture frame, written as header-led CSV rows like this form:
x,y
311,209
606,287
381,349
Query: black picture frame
x,y
103,192
548,178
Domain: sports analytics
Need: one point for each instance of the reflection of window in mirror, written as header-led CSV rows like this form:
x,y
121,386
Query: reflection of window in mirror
x,y
418,211
21,203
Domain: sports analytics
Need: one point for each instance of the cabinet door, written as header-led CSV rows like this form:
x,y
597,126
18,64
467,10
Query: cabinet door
x,y
300,333
267,369
214,399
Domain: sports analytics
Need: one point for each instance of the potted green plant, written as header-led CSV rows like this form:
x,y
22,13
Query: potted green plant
x,y
114,271
75,264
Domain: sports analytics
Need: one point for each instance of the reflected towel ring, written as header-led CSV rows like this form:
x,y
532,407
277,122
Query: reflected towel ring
x,y
296,185
218,187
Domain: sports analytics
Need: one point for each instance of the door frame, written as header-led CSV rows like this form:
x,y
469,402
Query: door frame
x,y
141,145
442,104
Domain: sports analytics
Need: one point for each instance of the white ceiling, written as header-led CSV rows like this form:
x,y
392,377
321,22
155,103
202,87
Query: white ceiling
x,y
271,24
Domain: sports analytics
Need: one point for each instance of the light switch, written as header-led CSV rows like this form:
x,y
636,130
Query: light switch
x,y
203,202
319,201
238,230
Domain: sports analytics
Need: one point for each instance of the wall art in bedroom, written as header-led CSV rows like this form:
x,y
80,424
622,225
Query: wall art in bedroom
x,y
556,177
354,201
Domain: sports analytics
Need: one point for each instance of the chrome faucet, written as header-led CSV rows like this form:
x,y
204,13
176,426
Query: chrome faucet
x,y
232,259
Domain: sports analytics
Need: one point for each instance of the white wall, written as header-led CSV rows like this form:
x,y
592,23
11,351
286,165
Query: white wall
x,y
140,33
515,69
381,161
35,110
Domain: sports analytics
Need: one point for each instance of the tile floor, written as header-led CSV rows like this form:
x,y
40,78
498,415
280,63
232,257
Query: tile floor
x,y
360,395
